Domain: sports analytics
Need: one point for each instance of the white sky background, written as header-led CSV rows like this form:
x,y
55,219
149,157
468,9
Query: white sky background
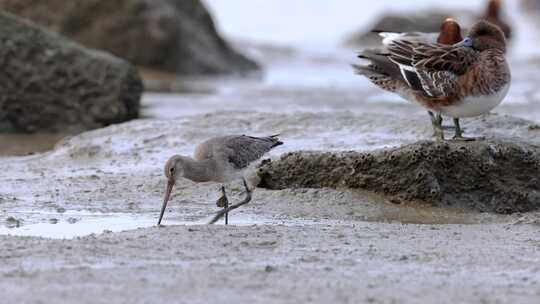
x,y
310,22
324,24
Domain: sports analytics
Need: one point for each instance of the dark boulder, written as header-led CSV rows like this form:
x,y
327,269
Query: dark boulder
x,y
501,176
176,36
51,84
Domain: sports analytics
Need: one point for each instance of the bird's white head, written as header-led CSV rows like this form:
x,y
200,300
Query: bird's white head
x,y
174,168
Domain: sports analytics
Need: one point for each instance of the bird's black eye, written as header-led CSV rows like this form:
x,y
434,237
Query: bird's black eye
x,y
171,170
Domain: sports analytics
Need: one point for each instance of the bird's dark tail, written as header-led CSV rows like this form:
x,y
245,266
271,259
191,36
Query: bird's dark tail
x,y
270,139
377,31
380,70
379,64
276,140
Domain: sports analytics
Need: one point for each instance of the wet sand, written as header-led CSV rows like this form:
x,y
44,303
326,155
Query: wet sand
x,y
343,263
292,246
306,245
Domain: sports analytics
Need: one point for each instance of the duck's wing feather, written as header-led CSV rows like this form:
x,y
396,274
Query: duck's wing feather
x,y
437,66
389,37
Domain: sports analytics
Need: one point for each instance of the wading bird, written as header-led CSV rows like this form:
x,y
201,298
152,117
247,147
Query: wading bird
x,y
220,159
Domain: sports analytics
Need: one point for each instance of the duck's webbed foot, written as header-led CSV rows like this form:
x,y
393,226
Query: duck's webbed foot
x,y
458,136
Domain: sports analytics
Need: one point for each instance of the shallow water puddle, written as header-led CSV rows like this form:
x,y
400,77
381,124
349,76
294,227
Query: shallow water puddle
x,y
72,224
75,224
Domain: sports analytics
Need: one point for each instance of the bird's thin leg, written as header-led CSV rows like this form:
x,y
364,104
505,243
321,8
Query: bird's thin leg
x,y
225,207
247,190
223,202
223,212
459,133
436,122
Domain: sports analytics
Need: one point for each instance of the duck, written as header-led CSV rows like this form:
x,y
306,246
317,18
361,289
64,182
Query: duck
x,y
465,79
450,33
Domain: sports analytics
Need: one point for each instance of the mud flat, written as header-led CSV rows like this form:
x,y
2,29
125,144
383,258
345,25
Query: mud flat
x,y
287,246
293,245
344,263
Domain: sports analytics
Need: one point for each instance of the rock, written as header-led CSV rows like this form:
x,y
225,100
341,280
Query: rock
x,y
50,84
427,21
171,35
501,176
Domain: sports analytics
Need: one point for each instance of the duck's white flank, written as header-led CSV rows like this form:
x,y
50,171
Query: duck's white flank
x,y
476,105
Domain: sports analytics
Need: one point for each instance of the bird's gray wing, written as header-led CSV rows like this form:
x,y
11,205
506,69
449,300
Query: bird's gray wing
x,y
243,150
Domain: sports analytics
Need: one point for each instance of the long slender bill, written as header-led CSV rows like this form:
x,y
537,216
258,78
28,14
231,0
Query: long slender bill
x,y
170,184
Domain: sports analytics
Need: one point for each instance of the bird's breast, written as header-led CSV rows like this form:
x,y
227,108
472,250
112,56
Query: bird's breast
x,y
471,106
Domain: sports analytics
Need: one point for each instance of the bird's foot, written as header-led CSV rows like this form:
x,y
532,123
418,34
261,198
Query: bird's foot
x,y
436,122
225,211
463,138
223,201
438,135
448,128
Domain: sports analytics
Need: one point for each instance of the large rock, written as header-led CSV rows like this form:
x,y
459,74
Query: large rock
x,y
48,83
500,176
172,35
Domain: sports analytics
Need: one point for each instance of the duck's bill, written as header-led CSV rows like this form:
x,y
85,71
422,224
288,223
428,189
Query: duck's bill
x,y
467,42
170,184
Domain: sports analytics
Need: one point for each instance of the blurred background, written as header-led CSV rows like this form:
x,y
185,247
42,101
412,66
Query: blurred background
x,y
96,95
318,25
186,58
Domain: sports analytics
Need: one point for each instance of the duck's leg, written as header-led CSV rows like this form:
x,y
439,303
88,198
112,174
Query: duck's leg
x,y
459,133
439,118
436,122
225,211
223,202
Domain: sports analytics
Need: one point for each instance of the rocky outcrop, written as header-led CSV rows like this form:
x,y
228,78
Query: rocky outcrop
x,y
171,35
51,84
427,21
501,176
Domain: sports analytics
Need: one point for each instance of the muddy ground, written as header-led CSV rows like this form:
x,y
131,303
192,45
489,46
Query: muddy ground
x,y
102,190
346,262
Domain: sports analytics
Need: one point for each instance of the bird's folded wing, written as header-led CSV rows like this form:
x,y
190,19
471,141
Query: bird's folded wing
x,y
243,150
436,65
